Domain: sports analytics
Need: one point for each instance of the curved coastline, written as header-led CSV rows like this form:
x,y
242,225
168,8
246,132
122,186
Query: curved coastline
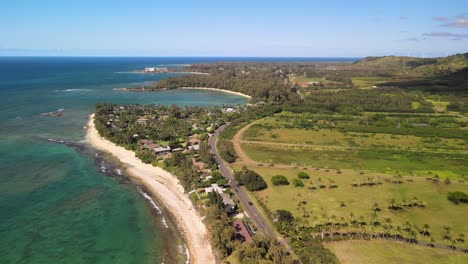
x,y
186,88
167,189
216,89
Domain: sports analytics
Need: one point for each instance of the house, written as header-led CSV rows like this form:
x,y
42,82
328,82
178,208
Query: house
x,y
229,110
142,121
194,147
150,69
214,188
194,141
177,149
229,205
199,164
162,150
243,232
162,70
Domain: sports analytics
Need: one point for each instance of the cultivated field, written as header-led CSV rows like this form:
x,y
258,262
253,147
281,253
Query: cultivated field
x,y
350,252
362,179
356,143
319,206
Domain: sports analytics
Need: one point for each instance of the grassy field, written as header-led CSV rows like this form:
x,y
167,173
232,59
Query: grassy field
x,y
363,82
325,204
345,151
373,160
323,143
350,252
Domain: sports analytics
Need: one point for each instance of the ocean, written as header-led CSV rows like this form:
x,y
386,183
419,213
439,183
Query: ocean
x,y
56,205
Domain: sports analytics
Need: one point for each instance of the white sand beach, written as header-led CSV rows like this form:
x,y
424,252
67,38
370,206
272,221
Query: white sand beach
x,y
216,89
167,189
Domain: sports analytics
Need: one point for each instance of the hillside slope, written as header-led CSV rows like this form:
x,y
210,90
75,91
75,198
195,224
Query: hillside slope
x,y
416,66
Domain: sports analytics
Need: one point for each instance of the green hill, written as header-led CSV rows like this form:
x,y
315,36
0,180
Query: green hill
x,y
415,66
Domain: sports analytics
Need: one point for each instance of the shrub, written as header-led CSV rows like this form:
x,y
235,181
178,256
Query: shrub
x,y
251,180
457,197
226,150
298,183
284,216
279,180
303,175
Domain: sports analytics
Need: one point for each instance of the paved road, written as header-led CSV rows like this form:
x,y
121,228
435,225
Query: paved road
x,y
244,200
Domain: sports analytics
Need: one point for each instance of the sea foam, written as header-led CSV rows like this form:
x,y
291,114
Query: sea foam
x,y
147,197
74,90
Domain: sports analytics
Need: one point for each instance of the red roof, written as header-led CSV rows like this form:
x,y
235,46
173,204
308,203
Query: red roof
x,y
243,233
200,164
194,141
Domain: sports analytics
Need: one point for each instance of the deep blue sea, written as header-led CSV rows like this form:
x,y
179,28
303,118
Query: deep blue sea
x,y
55,205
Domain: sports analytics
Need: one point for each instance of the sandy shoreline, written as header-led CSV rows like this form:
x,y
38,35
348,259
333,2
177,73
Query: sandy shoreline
x,y
190,88
167,189
216,89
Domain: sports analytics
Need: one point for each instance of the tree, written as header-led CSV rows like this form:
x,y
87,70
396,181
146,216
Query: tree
x,y
264,250
303,175
279,180
376,207
226,150
298,183
251,180
457,197
426,230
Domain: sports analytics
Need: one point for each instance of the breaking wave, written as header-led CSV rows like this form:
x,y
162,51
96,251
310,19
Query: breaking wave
x,y
74,90
147,197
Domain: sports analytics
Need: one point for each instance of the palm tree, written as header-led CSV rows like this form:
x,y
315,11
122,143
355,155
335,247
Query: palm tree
x,y
447,235
432,243
376,207
426,230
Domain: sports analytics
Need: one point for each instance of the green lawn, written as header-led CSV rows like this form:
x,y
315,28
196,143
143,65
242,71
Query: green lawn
x,y
286,142
377,251
323,204
365,82
375,160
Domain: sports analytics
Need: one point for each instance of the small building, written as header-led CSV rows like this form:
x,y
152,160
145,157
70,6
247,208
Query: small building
x,y
214,188
150,69
194,147
229,110
162,150
142,121
177,150
229,205
243,232
162,70
199,164
194,141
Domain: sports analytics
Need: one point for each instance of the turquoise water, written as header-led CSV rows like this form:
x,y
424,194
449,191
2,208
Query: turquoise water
x,y
55,206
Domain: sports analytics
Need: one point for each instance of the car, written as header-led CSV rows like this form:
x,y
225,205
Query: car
x,y
250,203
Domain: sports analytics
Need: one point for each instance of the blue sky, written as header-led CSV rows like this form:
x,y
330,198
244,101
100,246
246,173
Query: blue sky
x,y
294,28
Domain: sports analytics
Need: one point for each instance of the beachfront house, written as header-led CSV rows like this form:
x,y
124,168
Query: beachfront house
x,y
243,232
162,150
229,205
150,69
214,188
162,70
194,147
229,110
